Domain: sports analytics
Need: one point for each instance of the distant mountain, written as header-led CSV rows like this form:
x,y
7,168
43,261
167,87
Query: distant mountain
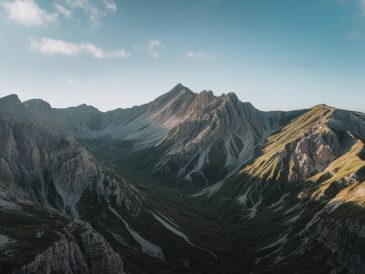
x,y
181,136
188,183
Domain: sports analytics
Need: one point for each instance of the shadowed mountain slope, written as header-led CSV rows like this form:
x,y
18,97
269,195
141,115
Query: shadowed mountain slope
x,y
193,139
273,192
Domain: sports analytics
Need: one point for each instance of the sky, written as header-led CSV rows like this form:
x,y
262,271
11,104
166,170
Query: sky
x,y
276,54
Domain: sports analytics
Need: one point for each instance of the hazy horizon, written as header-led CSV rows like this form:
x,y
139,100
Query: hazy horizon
x,y
142,103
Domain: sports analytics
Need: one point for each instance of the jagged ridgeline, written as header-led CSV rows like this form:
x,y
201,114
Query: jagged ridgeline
x,y
188,183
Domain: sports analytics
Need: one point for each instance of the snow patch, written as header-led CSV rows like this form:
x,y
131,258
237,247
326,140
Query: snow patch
x,y
147,246
7,205
281,200
280,242
255,208
243,198
119,239
173,229
4,241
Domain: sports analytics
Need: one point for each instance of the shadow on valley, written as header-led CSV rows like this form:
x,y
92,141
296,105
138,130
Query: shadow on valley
x,y
264,226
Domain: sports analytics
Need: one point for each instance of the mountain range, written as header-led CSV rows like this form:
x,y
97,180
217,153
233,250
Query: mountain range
x,y
188,183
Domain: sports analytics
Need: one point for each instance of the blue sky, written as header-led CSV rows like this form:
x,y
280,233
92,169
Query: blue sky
x,y
277,54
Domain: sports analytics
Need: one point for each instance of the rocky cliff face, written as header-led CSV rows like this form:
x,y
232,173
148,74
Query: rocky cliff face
x,y
82,250
299,152
44,169
50,170
216,136
287,189
304,194
189,137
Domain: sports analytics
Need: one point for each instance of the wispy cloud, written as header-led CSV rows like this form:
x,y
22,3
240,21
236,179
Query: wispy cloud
x,y
95,12
51,47
355,35
28,13
362,6
61,9
68,80
75,82
199,55
110,5
154,48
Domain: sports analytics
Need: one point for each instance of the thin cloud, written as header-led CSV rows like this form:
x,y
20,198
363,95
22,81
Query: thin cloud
x,y
61,9
75,82
154,48
362,6
355,35
52,47
28,13
199,55
68,80
110,5
95,12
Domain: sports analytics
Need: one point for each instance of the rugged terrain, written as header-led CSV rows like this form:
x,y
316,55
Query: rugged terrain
x,y
188,183
180,137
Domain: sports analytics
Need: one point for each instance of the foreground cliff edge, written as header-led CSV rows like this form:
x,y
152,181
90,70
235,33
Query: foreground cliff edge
x,y
188,183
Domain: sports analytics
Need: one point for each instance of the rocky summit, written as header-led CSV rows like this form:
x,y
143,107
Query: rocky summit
x,y
188,183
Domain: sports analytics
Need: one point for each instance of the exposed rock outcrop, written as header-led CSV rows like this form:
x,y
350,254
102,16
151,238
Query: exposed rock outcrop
x,y
82,251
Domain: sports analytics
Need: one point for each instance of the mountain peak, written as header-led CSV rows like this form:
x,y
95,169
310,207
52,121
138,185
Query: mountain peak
x,y
8,100
230,97
179,89
38,104
207,92
323,107
11,103
179,86
85,107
